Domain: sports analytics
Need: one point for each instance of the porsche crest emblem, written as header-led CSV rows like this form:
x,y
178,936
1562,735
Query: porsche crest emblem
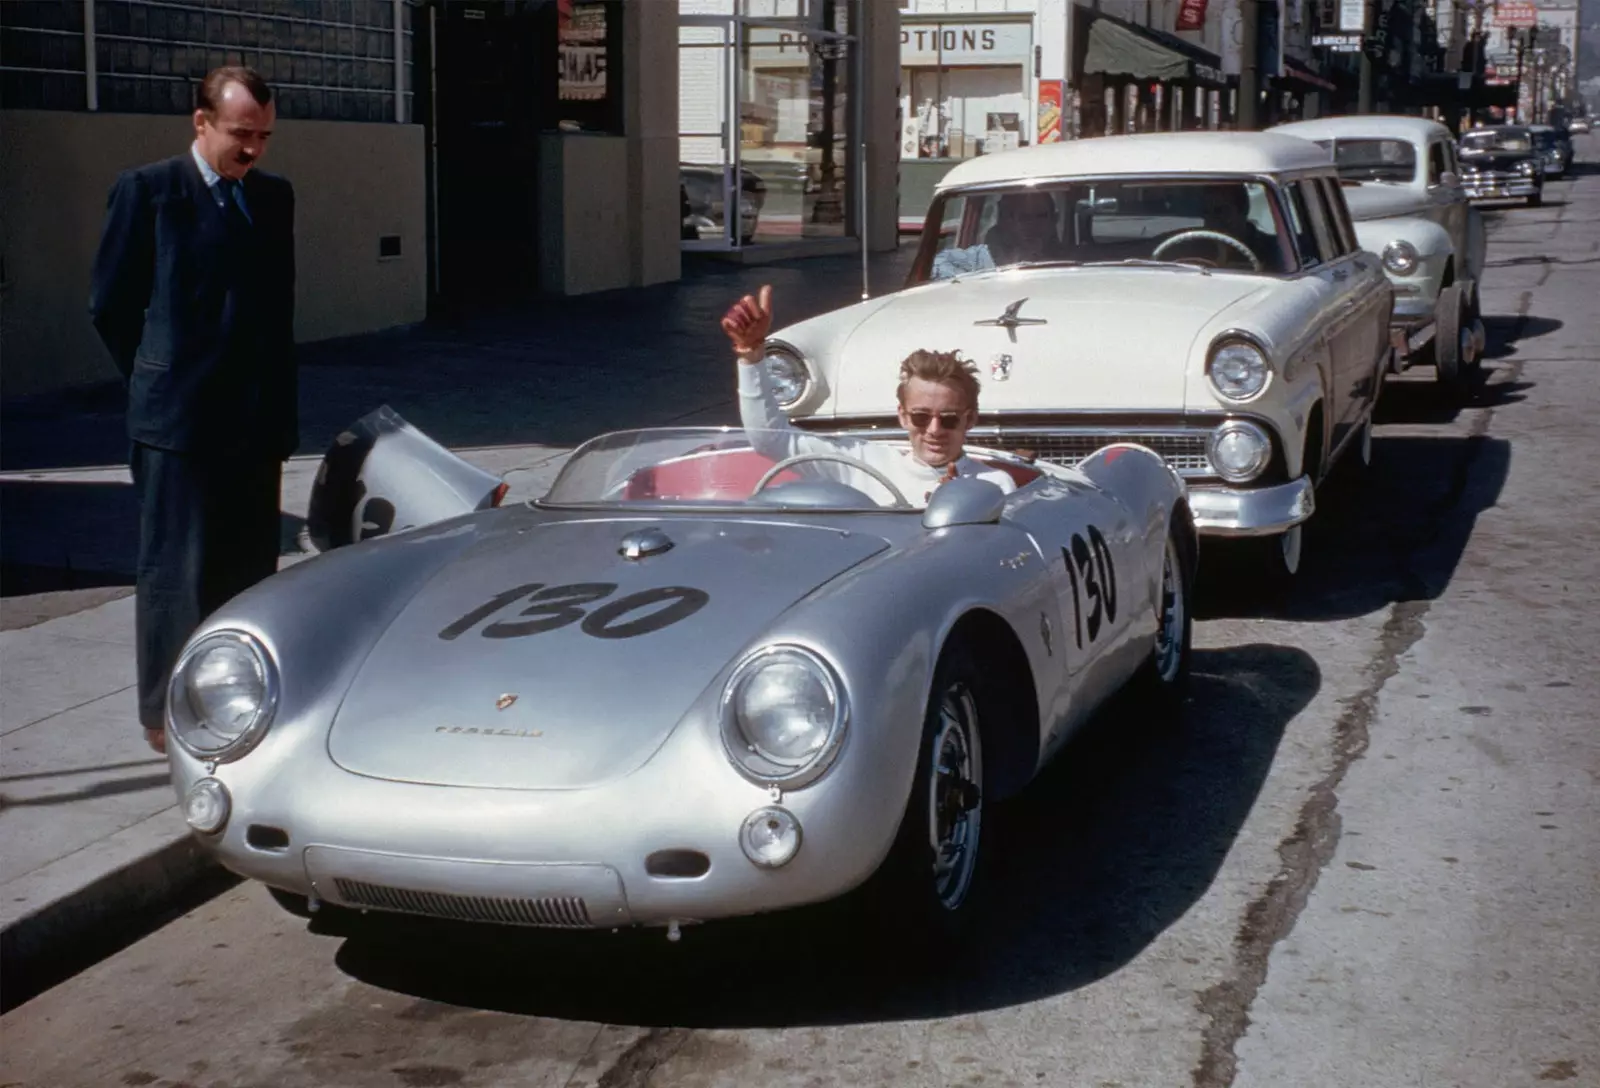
x,y
1000,367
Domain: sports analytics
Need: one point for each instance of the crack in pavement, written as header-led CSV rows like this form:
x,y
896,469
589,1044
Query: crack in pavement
x,y
1310,847
638,1063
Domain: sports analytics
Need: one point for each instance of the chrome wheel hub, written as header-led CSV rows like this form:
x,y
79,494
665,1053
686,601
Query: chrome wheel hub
x,y
955,797
1169,634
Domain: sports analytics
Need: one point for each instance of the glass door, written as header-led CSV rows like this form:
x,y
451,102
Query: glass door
x,y
708,148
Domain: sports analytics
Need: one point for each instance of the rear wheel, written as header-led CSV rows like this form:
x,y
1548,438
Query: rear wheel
x,y
1164,678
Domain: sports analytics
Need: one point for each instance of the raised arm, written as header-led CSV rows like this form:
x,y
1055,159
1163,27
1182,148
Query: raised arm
x,y
771,434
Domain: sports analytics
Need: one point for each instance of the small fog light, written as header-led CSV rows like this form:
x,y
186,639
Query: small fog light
x,y
207,806
770,837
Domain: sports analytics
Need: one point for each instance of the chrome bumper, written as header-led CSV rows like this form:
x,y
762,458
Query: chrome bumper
x,y
1500,188
1220,510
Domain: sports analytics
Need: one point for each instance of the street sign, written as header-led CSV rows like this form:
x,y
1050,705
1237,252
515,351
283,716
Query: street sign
x,y
1337,43
1353,15
1515,13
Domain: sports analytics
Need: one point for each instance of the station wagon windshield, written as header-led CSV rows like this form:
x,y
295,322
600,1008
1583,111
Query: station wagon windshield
x,y
1373,160
1103,221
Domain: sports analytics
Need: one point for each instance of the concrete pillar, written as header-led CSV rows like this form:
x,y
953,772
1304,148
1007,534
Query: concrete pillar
x,y
650,44
879,36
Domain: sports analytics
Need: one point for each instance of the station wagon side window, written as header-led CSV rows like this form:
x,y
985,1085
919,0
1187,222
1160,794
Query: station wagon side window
x,y
1436,163
1305,238
1338,216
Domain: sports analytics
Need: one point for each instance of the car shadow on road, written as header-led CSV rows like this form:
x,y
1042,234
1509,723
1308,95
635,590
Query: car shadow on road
x,y
1114,843
1389,533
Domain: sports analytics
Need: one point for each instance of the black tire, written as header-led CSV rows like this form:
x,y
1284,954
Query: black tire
x,y
1162,682
1447,339
1537,198
292,902
906,896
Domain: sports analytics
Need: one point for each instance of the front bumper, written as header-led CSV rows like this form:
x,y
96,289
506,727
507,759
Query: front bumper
x,y
1220,510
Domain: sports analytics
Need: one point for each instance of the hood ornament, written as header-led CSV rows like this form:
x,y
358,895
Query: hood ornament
x,y
1009,320
504,701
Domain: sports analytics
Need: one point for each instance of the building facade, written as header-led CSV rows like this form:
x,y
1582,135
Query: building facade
x,y
446,153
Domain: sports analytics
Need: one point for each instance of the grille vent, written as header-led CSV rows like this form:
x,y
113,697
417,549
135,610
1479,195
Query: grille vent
x,y
1185,452
561,912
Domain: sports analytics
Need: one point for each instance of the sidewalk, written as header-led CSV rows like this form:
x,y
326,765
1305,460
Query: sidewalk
x,y
89,831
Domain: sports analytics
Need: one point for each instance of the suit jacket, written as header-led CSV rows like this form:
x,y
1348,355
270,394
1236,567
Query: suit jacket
x,y
196,307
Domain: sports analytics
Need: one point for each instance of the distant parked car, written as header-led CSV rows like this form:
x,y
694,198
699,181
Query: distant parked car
x,y
701,198
1579,125
1500,162
1555,149
1401,182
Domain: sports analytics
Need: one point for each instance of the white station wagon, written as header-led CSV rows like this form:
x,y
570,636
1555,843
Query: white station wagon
x,y
1201,294
1403,185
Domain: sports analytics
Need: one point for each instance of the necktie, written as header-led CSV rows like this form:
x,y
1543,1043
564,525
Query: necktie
x,y
233,198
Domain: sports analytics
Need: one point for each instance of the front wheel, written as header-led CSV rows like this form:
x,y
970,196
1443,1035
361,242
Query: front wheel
x,y
1537,198
926,888
1447,354
1164,678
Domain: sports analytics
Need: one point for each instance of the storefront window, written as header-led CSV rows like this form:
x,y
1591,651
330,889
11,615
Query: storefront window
x,y
765,120
965,88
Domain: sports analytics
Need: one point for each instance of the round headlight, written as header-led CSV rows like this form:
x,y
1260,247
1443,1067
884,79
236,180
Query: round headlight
x,y
222,696
1238,370
1526,166
787,375
783,715
1239,450
1400,257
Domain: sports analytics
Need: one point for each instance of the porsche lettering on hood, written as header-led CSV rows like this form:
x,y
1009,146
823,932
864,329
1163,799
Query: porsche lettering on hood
x,y
1126,332
604,654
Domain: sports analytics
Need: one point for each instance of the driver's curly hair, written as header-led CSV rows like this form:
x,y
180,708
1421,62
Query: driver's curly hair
x,y
944,367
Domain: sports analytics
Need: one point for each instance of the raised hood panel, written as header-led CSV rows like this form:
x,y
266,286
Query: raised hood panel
x,y
1114,338
593,700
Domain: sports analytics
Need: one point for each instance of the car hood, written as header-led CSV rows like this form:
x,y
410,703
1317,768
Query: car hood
x,y
1115,338
1495,160
593,700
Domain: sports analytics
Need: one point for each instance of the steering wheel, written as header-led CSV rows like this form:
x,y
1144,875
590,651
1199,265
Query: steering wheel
x,y
1214,236
801,458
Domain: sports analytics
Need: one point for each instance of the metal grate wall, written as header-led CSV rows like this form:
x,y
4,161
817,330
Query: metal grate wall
x,y
331,60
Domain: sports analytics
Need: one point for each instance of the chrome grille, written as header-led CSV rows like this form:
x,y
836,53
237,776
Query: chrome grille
x,y
563,912
1185,451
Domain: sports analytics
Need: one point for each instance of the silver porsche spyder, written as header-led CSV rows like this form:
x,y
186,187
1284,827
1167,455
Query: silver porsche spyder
x,y
687,683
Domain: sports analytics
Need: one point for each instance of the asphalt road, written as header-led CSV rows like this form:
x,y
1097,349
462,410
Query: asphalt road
x,y
1371,857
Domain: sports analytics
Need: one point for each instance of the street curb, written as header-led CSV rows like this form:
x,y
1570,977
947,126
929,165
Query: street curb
x,y
69,932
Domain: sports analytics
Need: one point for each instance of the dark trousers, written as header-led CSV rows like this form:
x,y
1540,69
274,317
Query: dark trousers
x,y
208,530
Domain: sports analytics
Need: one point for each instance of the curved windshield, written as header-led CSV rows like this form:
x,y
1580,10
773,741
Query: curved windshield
x,y
1509,140
1209,224
717,467
1373,160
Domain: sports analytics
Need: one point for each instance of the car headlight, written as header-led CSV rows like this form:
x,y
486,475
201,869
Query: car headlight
x,y
1527,166
788,376
1238,370
1400,257
783,716
223,694
1239,450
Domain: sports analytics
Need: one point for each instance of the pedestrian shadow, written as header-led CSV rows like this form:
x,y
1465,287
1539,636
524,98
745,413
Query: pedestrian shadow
x,y
1115,842
1390,533
65,536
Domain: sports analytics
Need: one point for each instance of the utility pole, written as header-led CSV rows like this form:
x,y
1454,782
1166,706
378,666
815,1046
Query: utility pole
x,y
1364,101
1249,66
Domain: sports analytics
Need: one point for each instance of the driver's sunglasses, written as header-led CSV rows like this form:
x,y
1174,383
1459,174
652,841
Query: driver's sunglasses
x,y
922,417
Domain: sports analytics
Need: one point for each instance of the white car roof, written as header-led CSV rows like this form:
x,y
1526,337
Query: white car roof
x,y
1369,126
1145,154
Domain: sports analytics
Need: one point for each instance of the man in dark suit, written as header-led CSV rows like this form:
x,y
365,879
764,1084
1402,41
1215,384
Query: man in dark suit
x,y
193,295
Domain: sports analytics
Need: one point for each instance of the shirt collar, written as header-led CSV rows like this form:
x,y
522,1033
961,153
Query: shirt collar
x,y
210,175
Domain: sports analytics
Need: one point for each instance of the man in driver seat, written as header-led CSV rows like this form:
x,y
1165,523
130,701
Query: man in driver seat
x,y
1227,211
938,396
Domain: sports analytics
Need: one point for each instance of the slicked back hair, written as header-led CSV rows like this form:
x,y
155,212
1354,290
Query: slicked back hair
x,y
944,367
208,95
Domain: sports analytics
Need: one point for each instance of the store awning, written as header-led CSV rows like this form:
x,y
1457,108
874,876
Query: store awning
x,y
1120,48
1296,72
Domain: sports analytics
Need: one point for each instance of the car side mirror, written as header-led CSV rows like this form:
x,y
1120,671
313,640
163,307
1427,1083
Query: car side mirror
x,y
1449,179
965,500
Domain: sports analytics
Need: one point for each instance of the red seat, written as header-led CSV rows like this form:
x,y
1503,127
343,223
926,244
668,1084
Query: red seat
x,y
705,475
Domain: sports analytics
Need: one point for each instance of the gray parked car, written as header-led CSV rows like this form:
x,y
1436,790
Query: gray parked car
x,y
687,683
